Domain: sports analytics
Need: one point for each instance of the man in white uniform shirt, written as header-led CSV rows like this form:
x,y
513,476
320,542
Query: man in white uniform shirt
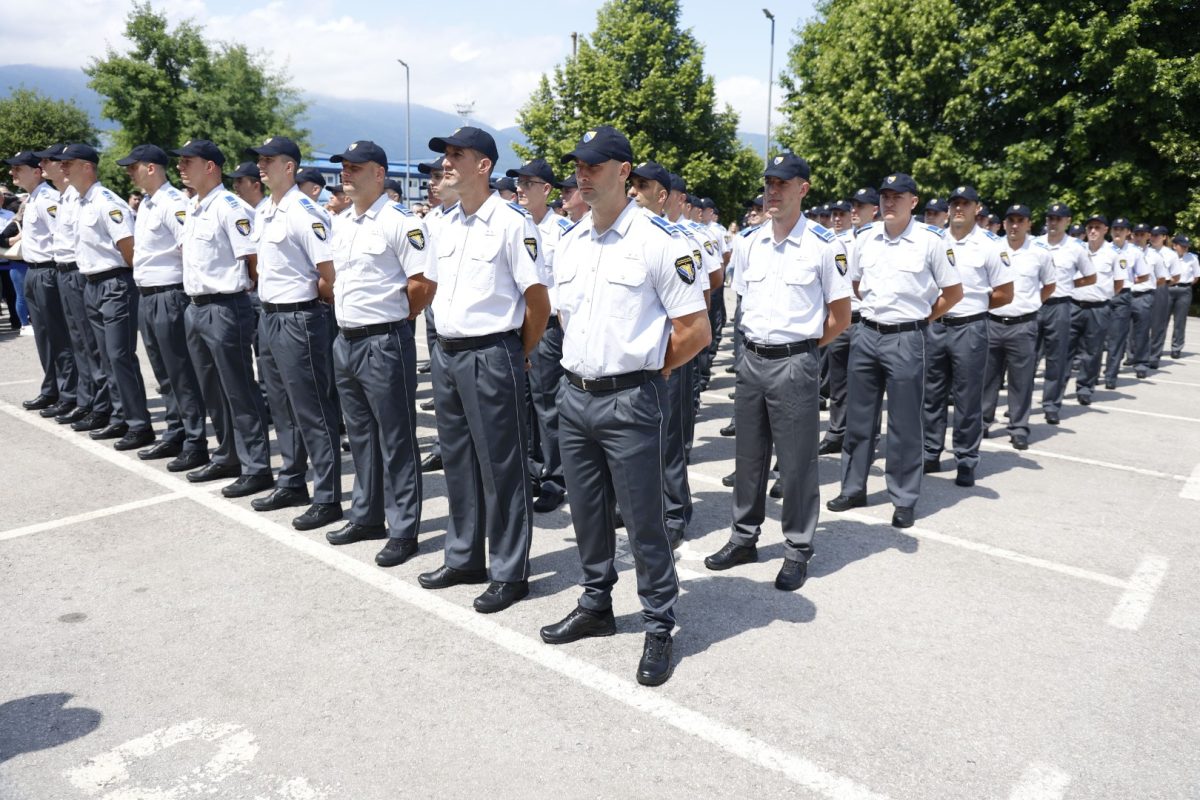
x,y
1073,271
1091,307
1181,292
1145,296
1120,324
1161,315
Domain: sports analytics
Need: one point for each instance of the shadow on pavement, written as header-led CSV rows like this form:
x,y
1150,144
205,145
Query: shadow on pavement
x,y
39,722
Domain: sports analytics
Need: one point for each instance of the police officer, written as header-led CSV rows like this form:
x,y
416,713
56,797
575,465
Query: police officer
x,y
105,255
1181,292
630,312
956,344
1161,314
491,311
50,334
158,273
1120,323
937,212
1012,328
904,278
1074,270
295,279
247,185
754,220
794,298
1144,295
310,182
218,264
1091,307
571,199
443,199
385,265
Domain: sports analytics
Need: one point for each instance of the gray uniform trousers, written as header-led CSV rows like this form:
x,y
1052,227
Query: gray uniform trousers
x,y
435,449
377,383
112,305
956,357
837,353
1053,341
895,363
677,497
737,333
1011,348
1181,303
293,357
92,390
612,448
1142,311
218,336
545,373
50,334
1117,337
776,404
1088,329
482,426
160,318
1160,315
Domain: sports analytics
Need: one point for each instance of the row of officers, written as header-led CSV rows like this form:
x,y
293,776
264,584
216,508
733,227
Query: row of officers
x,y
604,320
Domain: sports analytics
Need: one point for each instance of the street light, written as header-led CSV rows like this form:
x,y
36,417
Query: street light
x,y
407,130
770,84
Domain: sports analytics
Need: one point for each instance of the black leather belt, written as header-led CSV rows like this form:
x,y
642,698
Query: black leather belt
x,y
68,266
96,277
1053,301
780,350
1087,304
855,317
280,308
170,287
40,264
611,383
1030,317
472,342
1127,291
552,322
967,320
1182,286
350,334
205,299
899,327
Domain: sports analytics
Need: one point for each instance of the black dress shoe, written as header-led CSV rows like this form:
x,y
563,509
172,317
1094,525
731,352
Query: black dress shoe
x,y
56,410
39,402
432,463
733,395
134,439
248,485
161,450
902,517
731,555
396,552
92,422
827,448
444,577
776,490
113,430
845,502
1020,442
353,532
1141,373
1176,354
282,497
1110,384
729,430
1084,399
188,460
581,623
932,465
965,476
215,472
729,479
1052,418
548,501
791,575
1153,365
655,667
318,515
427,405
424,368
74,415
730,369
823,404
499,595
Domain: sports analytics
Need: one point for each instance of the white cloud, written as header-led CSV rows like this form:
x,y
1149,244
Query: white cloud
x,y
748,96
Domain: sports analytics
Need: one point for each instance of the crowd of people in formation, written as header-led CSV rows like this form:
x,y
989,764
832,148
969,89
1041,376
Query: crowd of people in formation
x,y
569,342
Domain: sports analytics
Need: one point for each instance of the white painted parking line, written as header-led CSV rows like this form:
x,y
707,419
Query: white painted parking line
x,y
18,383
1155,381
1131,609
88,516
1191,488
653,703
1119,409
1041,782
1035,451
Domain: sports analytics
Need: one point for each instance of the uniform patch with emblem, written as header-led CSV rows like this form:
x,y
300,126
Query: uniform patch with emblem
x,y
839,260
950,257
52,211
180,216
710,247
116,215
243,226
1124,264
319,230
1004,257
417,239
531,248
686,269
699,259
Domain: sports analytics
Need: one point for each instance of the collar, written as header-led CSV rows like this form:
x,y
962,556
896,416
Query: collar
x,y
621,223
904,234
202,203
766,232
90,195
485,211
373,211
149,198
290,198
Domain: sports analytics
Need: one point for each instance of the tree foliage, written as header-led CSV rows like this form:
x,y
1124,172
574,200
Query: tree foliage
x,y
643,75
31,121
1091,103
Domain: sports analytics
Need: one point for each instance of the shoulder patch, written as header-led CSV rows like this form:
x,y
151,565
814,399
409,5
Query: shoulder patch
x,y
403,210
416,237
319,230
304,201
107,195
517,207
116,215
180,216
660,223
1042,245
950,256
685,267
865,228
531,247
823,233
750,230
1004,257
52,211
243,226
935,229
839,260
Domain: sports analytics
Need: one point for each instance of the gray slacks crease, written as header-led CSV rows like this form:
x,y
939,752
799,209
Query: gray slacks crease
x,y
1116,338
1181,303
164,335
678,492
956,358
545,372
1011,349
1088,329
51,337
92,385
1053,341
1141,313
112,306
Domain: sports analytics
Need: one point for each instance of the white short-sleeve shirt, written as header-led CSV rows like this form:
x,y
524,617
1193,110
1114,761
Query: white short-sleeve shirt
x,y
1070,262
900,279
38,224
66,226
1031,267
104,220
158,236
1106,266
216,237
292,236
979,263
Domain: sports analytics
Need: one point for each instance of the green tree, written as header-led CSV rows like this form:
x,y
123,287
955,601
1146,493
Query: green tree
x,y
173,85
643,75
29,120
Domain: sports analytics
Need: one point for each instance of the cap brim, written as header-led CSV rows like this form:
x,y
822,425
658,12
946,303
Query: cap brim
x,y
128,161
587,155
352,158
781,174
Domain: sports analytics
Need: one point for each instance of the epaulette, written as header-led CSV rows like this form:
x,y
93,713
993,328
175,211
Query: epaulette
x,y
563,223
823,233
1113,245
107,195
174,193
572,226
941,232
1042,245
751,230
402,209
233,203
517,207
991,236
661,224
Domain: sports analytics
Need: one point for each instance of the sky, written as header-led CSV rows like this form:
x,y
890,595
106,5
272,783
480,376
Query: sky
x,y
461,53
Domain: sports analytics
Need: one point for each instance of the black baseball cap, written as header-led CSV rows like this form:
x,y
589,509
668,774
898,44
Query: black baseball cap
x,y
201,148
23,158
964,193
1183,240
277,146
430,167
537,168
757,202
1121,222
693,201
1160,230
707,202
604,143
1141,227
993,219
361,152
336,188
569,182
983,212
786,167
51,151
678,184
473,138
1103,220
1075,229
144,153
1017,210
393,184
311,175
840,205
866,196
653,171
246,169
1059,210
937,204
503,184
898,182
77,151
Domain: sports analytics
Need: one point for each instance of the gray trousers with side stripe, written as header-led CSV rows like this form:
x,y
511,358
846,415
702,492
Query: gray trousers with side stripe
x,y
1012,348
956,358
112,306
91,383
1181,304
50,334
164,335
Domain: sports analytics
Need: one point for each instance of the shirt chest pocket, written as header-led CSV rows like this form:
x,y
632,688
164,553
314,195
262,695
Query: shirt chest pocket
x,y
275,231
625,286
800,278
203,230
480,262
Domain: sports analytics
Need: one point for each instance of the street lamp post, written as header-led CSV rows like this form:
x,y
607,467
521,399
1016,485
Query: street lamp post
x,y
770,85
408,129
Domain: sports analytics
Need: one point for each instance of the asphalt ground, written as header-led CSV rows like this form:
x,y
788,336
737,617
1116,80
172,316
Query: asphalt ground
x,y
1032,637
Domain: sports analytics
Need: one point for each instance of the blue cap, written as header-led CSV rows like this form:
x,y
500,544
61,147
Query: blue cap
x,y
537,168
361,152
51,151
1183,240
201,148
393,184
23,158
1121,222
678,184
786,167
600,144
1103,220
937,204
473,138
246,169
840,205
77,152
964,193
693,201
1017,210
1141,227
277,146
866,196
1075,229
569,182
757,202
311,175
707,202
1160,230
898,182
1059,210
653,171
430,167
503,184
144,153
